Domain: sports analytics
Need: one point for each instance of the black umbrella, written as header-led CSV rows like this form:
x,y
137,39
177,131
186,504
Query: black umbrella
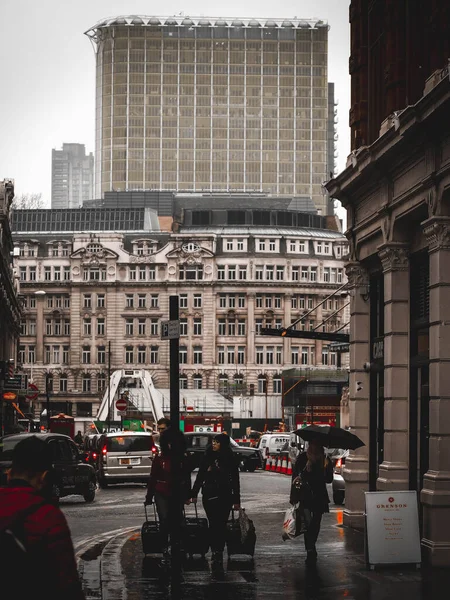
x,y
332,437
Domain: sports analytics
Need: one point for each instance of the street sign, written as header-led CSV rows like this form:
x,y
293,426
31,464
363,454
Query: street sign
x,y
9,396
18,382
121,405
32,392
170,330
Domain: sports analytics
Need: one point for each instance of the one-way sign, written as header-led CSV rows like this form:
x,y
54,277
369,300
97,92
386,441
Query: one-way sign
x,y
170,330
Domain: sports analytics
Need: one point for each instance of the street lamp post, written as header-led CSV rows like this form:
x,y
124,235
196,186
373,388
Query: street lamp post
x,y
47,394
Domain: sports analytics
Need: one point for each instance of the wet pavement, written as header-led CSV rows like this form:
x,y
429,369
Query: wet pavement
x,y
116,568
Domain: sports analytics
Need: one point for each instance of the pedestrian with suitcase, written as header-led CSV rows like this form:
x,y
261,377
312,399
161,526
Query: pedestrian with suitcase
x,y
218,478
161,483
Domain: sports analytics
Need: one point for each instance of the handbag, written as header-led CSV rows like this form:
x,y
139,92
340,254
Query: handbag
x,y
301,493
244,524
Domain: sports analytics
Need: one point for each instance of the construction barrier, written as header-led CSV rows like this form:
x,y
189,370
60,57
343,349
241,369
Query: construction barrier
x,y
289,468
278,464
284,465
268,464
274,464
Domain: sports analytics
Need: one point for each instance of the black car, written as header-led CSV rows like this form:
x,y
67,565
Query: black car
x,y
71,474
249,458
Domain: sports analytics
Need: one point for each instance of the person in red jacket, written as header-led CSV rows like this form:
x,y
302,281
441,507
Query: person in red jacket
x,y
160,485
44,531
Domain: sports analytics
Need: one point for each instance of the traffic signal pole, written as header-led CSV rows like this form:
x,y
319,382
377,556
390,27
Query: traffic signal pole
x,y
176,501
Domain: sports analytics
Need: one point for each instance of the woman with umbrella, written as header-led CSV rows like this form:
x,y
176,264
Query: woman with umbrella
x,y
313,470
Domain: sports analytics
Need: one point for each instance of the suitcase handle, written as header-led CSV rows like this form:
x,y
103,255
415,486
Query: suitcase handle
x,y
154,511
196,511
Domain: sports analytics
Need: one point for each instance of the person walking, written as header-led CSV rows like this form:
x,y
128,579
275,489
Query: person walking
x,y
315,470
162,481
78,439
41,526
218,478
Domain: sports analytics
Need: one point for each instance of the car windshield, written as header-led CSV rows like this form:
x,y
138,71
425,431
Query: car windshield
x,y
129,443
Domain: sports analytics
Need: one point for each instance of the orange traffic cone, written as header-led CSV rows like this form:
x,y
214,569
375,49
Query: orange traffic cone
x,y
279,465
268,464
289,467
284,466
274,463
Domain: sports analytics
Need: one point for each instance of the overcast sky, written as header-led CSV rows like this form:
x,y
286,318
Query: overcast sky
x,y
48,72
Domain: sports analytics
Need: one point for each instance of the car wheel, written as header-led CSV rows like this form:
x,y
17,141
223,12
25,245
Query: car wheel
x,y
89,495
338,497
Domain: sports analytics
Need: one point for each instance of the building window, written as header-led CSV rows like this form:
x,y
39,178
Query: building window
x,y
55,354
242,273
66,273
222,301
101,382
141,326
305,352
231,301
294,355
129,326
221,355
65,355
262,384
31,354
279,355
86,355
242,327
66,324
63,383
191,272
183,355
232,327
259,273
268,301
269,355
100,300
86,383
47,273
87,327
23,273
259,355
276,384
132,274
198,355
57,273
183,326
197,326
129,300
100,326
221,272
129,355
230,355
198,382
295,273
183,382
241,301
241,355
154,300
325,355
141,352
153,326
21,355
313,274
32,273
142,273
141,300
258,326
280,273
101,355
197,300
183,299
261,245
232,272
48,327
49,382
240,245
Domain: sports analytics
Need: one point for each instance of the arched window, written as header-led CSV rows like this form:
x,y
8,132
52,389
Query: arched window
x,y
63,382
101,382
198,381
276,383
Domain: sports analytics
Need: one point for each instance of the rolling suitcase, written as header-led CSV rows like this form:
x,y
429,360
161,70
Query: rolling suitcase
x,y
237,542
195,537
151,534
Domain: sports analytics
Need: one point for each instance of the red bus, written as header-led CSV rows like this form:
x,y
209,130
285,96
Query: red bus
x,y
63,424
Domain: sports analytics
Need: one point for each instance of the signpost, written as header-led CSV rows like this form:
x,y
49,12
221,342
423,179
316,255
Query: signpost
x,y
121,405
170,330
392,528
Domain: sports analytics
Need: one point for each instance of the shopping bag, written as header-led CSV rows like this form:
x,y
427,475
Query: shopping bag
x,y
296,521
244,524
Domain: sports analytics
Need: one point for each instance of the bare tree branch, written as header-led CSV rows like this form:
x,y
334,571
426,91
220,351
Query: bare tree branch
x,y
23,201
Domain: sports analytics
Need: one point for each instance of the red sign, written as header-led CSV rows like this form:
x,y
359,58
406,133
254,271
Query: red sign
x,y
121,405
10,396
32,395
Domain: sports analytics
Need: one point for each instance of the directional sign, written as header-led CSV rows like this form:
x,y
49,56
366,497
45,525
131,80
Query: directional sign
x,y
170,330
121,405
18,382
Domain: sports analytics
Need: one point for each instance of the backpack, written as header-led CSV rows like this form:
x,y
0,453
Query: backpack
x,y
14,556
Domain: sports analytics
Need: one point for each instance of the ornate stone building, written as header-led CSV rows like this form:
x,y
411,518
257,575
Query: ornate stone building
x,y
88,293
396,192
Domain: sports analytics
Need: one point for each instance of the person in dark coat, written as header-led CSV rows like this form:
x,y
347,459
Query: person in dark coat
x,y
44,531
160,485
316,470
218,478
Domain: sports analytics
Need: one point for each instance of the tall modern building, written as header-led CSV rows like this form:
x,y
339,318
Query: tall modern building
x,y
72,176
187,104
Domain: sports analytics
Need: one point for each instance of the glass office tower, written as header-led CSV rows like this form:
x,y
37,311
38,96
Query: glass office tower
x,y
216,105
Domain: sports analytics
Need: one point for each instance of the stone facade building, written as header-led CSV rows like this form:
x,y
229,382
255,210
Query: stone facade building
x,y
88,293
396,192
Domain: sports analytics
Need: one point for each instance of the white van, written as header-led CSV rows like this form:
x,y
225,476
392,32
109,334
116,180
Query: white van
x,y
271,443
125,457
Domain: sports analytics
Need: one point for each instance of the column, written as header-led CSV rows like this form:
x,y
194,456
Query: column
x,y
393,472
40,299
318,317
251,327
286,323
356,471
435,495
